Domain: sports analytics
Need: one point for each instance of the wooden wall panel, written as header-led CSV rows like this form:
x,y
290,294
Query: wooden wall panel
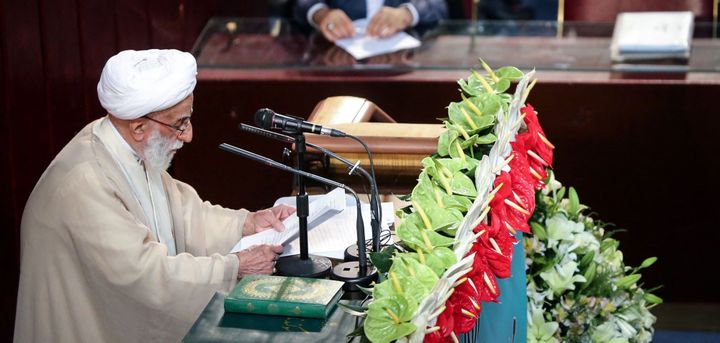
x,y
63,72
97,42
29,142
166,19
132,22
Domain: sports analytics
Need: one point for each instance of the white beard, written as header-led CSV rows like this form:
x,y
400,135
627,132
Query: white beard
x,y
158,152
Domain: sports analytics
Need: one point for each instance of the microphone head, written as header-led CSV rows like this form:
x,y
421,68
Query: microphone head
x,y
264,118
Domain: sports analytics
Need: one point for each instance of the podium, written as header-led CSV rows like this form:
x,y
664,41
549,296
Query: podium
x,y
398,148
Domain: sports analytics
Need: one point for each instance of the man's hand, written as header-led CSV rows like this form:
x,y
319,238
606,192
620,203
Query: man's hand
x,y
389,20
334,24
270,218
258,259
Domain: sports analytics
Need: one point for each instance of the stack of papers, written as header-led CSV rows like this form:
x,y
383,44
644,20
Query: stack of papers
x,y
331,226
652,35
361,46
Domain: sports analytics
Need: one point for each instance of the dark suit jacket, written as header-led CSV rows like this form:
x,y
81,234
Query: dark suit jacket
x,y
429,11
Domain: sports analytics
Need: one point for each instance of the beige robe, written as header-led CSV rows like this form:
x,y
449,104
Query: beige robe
x,y
91,269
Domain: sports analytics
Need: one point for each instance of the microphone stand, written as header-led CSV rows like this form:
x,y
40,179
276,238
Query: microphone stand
x,y
304,265
357,273
351,253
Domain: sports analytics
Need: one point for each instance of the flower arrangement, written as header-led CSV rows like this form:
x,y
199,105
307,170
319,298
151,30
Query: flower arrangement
x,y
579,290
457,236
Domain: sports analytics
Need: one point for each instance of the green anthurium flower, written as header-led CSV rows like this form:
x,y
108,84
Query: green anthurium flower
x,y
446,255
410,233
490,104
510,73
406,266
429,194
438,217
444,140
388,319
463,185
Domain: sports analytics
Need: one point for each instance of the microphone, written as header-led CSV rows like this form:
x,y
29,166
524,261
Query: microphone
x,y
268,119
352,169
362,258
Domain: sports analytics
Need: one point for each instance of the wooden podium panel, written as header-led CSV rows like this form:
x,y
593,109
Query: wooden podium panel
x,y
397,148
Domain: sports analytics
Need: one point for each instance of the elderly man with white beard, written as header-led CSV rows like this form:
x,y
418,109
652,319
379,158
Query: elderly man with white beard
x,y
113,248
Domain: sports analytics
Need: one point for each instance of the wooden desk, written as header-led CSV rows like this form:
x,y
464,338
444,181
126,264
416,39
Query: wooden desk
x,y
639,148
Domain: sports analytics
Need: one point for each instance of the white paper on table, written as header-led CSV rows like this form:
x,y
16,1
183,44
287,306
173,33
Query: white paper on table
x,y
320,208
331,237
361,46
646,35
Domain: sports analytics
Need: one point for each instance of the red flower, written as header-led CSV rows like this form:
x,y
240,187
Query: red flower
x,y
483,278
446,322
535,138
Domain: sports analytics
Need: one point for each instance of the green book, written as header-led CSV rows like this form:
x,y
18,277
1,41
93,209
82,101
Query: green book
x,y
284,296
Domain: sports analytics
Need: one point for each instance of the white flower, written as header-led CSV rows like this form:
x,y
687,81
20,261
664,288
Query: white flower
x,y
612,259
552,185
539,330
643,336
560,228
608,332
562,277
587,242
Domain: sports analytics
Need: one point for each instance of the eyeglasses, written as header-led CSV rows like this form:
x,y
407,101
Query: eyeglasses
x,y
183,125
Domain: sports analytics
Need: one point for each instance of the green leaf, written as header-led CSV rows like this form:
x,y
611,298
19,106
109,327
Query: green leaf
x,y
352,307
589,274
573,203
608,243
585,261
539,231
382,260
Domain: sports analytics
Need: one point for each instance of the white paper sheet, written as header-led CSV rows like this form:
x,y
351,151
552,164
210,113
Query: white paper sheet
x,y
320,208
361,46
331,237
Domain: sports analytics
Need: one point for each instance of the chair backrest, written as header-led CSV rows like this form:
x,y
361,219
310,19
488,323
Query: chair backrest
x,y
607,10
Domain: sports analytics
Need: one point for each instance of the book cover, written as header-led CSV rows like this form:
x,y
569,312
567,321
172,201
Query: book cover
x,y
284,296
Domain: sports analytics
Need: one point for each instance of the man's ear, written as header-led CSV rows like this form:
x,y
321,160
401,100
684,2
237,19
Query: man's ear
x,y
138,129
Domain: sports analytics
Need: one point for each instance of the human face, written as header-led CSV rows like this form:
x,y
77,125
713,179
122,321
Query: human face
x,y
167,131
159,151
174,122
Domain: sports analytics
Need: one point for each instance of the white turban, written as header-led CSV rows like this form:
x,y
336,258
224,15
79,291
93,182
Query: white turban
x,y
135,83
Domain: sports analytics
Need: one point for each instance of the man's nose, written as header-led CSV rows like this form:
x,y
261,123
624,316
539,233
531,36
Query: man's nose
x,y
186,136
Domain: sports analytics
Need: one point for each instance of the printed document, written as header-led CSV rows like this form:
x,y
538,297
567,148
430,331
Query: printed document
x,y
320,208
361,46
